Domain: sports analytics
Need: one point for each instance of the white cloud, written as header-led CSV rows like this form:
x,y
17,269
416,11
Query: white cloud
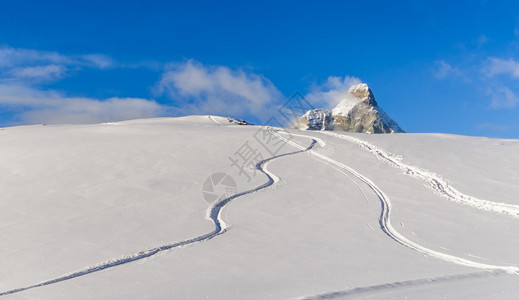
x,y
22,71
497,66
492,126
11,57
36,106
218,90
331,92
97,61
18,57
482,40
444,70
38,73
502,97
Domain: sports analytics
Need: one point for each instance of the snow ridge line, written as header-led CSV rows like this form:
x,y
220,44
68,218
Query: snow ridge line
x,y
214,214
434,181
387,227
402,284
214,120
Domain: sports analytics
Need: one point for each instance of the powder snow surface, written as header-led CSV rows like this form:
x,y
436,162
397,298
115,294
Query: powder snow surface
x,y
423,216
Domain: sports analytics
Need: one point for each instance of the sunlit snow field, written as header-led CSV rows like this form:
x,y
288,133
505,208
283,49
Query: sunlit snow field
x,y
339,215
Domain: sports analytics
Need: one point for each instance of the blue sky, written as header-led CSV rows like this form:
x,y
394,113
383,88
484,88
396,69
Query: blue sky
x,y
434,66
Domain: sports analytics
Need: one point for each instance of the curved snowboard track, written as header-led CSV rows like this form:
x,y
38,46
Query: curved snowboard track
x,y
385,217
437,183
401,284
214,214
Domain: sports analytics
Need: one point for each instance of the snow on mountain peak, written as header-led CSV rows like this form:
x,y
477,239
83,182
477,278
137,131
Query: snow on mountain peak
x,y
356,112
356,94
360,90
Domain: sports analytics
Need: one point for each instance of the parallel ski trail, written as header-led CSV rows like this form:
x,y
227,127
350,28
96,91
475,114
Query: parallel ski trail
x,y
214,214
385,217
436,182
401,284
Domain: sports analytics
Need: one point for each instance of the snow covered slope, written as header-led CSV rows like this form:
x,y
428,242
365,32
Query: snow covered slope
x,y
116,210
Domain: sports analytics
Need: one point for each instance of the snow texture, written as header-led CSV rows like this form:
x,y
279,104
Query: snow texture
x,y
115,210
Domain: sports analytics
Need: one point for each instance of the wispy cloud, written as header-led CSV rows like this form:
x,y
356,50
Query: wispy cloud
x,y
445,70
29,66
493,76
492,126
502,97
24,72
218,89
97,61
482,40
36,106
39,73
497,66
13,57
332,91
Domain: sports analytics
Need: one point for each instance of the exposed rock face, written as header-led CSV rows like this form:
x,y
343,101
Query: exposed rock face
x,y
357,112
319,119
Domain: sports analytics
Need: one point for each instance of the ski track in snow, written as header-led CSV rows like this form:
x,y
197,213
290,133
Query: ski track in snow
x,y
322,143
213,213
401,284
436,182
214,120
385,216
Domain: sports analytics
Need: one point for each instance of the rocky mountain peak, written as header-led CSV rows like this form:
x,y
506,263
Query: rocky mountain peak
x,y
356,112
363,92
